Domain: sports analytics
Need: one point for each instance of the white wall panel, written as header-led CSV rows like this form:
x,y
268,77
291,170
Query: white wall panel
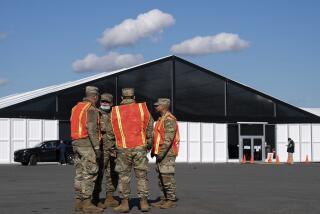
x,y
50,130
207,142
282,151
194,153
220,132
220,152
183,128
194,132
315,151
305,132
305,150
220,142
4,140
316,142
18,135
294,134
282,133
316,133
183,152
34,132
207,132
4,129
207,152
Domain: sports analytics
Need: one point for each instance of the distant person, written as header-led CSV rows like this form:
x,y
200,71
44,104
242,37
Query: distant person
x,y
290,150
62,152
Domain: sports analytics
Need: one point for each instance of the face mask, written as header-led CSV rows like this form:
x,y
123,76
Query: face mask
x,y
105,107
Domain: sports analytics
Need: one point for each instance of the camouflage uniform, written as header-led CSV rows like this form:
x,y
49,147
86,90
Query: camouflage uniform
x,y
85,160
108,149
136,158
166,153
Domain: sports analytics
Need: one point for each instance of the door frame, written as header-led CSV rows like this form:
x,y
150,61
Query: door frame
x,y
251,137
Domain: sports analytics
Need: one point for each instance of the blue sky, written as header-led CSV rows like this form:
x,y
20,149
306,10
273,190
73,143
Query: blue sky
x,y
41,40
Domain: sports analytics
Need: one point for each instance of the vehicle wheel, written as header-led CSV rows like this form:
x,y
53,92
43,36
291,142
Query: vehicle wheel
x,y
33,160
69,159
25,163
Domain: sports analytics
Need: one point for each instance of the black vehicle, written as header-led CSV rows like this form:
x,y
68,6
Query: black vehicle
x,y
43,152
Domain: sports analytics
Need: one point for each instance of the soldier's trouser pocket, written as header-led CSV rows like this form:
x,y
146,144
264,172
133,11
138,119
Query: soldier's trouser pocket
x,y
168,165
89,170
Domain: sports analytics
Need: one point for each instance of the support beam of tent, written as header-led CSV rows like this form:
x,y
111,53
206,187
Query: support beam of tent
x,y
173,84
116,90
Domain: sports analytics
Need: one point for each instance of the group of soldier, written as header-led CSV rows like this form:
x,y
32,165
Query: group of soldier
x,y
108,141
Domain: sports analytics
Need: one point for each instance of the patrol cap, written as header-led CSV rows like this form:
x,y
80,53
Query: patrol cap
x,y
106,97
92,90
128,92
162,101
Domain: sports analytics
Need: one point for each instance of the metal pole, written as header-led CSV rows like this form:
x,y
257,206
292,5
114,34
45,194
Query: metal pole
x,y
116,92
173,84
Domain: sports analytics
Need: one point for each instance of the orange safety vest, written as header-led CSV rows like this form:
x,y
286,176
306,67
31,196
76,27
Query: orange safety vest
x,y
78,121
129,123
159,132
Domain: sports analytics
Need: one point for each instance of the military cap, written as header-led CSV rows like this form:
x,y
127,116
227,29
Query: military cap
x,y
163,101
92,90
128,92
106,97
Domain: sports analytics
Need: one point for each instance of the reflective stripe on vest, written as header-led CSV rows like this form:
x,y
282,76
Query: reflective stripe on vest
x,y
120,127
129,123
78,120
159,133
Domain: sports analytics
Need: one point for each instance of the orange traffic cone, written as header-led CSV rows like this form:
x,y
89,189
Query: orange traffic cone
x,y
251,160
307,159
244,160
277,159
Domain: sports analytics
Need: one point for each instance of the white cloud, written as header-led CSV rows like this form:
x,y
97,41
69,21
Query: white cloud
x,y
3,82
3,35
132,30
221,42
111,61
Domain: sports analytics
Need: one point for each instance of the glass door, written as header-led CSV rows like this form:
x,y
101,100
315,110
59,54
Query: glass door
x,y
246,148
257,149
252,146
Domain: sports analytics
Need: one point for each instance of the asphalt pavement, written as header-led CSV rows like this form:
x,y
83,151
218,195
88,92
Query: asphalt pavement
x,y
202,188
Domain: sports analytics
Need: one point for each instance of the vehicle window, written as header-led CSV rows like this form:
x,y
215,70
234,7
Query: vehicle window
x,y
37,145
48,145
54,144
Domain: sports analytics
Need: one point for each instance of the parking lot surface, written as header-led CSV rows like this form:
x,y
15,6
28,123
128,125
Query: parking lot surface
x,y
202,188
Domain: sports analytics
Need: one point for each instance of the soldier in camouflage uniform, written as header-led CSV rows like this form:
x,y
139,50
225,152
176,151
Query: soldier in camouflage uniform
x,y
165,148
107,164
136,158
86,149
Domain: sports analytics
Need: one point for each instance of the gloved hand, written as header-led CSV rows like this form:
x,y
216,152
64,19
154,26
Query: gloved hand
x,y
158,158
98,153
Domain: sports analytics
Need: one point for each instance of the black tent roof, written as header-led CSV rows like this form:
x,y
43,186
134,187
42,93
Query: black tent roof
x,y
197,94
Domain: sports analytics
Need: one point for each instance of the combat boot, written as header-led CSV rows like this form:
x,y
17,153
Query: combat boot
x,y
158,203
110,201
101,205
144,206
88,207
168,204
123,207
78,205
